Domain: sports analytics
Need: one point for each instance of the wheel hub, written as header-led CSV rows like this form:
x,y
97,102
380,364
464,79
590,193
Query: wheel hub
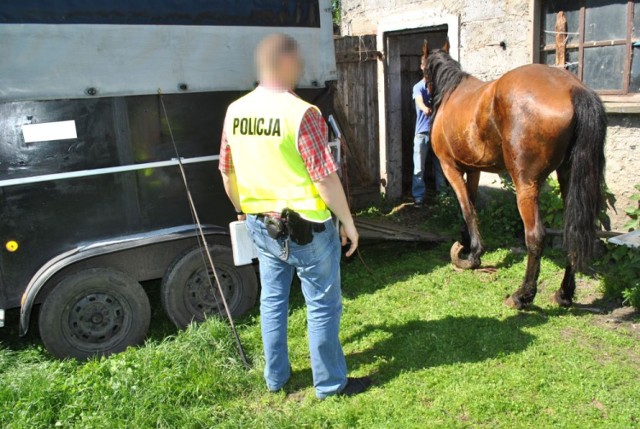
x,y
96,318
203,296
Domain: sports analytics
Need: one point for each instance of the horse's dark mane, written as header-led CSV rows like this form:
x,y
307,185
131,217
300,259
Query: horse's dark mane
x,y
445,74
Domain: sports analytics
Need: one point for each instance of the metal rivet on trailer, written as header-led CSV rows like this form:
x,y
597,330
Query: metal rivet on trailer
x,y
91,91
11,246
183,86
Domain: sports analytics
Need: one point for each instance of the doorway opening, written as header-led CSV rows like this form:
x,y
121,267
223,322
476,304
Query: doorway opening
x,y
404,52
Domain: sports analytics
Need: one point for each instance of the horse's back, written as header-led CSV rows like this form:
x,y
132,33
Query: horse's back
x,y
527,113
532,85
536,107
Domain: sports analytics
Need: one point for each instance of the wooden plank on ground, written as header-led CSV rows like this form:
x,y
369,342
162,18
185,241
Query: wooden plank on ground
x,y
370,229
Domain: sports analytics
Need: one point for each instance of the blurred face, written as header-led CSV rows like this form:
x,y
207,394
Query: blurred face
x,y
291,68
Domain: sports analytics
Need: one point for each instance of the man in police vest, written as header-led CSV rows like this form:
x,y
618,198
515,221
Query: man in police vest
x,y
277,168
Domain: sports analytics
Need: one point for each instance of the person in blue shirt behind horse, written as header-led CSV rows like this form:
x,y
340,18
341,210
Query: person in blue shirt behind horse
x,y
421,142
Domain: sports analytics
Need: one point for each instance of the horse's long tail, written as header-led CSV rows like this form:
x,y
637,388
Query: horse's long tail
x,y
586,161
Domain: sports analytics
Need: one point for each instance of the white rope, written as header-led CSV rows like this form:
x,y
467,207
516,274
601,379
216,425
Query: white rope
x,y
565,65
561,32
362,48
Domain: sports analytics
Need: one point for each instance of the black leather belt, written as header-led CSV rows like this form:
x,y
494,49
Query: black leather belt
x,y
315,226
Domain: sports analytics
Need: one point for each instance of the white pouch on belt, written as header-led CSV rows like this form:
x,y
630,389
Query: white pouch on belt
x,y
244,252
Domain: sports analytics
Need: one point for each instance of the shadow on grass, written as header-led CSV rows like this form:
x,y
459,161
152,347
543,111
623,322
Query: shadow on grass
x,y
511,258
419,344
370,274
160,326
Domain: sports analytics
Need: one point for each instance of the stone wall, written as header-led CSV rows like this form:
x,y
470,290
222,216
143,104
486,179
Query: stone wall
x,y
623,163
482,26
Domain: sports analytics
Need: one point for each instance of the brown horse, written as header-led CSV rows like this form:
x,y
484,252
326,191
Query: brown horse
x,y
533,120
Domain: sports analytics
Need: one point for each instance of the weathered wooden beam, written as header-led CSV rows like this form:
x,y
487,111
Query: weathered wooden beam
x,y
599,234
370,229
353,154
561,39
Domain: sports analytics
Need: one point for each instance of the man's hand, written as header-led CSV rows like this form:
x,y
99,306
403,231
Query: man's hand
x,y
330,189
420,104
242,216
349,233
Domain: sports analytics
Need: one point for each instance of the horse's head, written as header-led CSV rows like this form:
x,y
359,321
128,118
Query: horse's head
x,y
441,72
430,59
427,66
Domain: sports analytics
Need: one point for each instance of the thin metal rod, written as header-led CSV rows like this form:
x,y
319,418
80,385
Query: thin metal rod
x,y
101,171
203,238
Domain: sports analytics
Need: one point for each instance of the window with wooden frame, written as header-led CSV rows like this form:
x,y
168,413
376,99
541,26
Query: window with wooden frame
x,y
597,40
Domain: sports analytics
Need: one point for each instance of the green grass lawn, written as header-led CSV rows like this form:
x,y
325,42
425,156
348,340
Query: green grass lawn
x,y
442,349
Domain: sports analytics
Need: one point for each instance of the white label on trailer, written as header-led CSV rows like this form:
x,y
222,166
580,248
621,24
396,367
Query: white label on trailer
x,y
49,131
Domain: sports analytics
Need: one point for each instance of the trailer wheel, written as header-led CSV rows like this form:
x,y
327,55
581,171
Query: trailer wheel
x,y
187,294
95,312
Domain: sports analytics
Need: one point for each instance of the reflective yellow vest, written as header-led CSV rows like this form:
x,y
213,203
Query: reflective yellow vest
x,y
262,131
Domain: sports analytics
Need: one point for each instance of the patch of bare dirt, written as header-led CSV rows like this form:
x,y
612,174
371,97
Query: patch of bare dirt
x,y
298,396
600,406
610,313
625,319
408,215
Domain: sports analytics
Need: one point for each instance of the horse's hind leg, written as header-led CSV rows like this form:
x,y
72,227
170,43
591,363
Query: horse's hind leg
x,y
466,196
527,195
564,295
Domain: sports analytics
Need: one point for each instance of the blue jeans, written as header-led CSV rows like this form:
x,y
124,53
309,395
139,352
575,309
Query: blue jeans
x,y
318,267
421,145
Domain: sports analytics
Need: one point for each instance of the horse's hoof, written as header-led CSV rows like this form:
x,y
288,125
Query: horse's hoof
x,y
560,301
462,263
513,302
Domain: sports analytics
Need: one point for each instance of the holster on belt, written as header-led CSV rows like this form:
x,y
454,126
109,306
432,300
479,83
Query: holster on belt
x,y
300,230
276,227
291,224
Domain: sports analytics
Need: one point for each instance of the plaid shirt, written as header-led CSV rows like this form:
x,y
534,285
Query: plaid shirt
x,y
312,145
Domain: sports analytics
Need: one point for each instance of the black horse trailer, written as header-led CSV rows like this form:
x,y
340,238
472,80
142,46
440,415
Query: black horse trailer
x,y
91,199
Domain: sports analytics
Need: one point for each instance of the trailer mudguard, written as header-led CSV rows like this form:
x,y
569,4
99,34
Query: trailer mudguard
x,y
99,248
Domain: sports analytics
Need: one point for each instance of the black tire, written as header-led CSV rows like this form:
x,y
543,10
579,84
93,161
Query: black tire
x,y
187,295
95,312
